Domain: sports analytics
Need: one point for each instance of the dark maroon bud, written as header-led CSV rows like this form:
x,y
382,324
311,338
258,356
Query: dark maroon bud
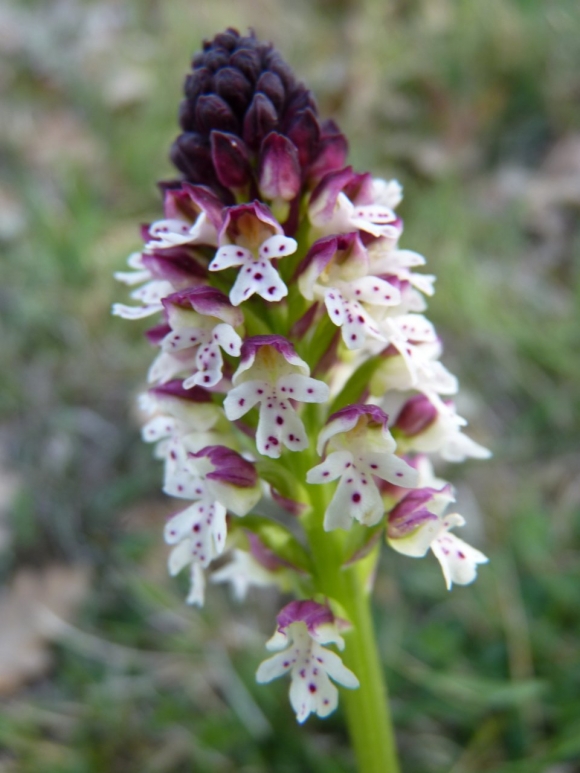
x,y
230,160
417,414
215,59
191,156
248,61
277,65
186,115
305,134
197,82
213,113
260,119
279,176
271,85
227,39
232,86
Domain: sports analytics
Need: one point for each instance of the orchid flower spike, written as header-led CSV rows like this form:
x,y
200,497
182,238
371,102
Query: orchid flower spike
x,y
297,387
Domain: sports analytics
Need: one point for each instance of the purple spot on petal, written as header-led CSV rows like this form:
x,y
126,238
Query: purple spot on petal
x,y
356,497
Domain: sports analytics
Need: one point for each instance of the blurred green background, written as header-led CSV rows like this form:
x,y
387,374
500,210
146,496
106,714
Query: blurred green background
x,y
475,107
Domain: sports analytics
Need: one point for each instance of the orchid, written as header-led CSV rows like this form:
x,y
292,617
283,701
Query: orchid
x,y
303,628
417,524
298,390
272,374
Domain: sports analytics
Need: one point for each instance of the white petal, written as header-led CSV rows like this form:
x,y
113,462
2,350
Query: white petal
x,y
227,338
242,398
458,559
356,497
159,427
196,594
132,277
135,312
393,469
228,256
371,289
277,247
335,668
179,557
183,338
274,667
279,425
303,388
330,469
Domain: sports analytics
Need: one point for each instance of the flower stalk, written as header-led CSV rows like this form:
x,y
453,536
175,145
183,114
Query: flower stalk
x,y
296,376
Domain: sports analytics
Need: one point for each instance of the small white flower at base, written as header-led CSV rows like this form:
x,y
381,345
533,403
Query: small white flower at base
x,y
303,628
416,524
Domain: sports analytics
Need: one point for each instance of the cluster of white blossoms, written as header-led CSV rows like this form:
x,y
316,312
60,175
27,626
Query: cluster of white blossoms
x,y
264,323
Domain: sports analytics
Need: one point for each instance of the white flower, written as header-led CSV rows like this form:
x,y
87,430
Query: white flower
x,y
364,449
255,239
195,341
416,524
344,201
271,374
244,572
303,627
150,294
219,480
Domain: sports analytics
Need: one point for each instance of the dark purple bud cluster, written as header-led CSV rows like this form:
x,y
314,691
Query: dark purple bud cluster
x,y
249,126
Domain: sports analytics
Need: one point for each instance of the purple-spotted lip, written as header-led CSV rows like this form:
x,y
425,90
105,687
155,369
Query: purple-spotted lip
x,y
229,230
252,345
229,467
175,389
309,612
208,301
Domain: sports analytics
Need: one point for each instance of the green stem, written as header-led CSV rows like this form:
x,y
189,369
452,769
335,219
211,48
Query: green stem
x,y
367,710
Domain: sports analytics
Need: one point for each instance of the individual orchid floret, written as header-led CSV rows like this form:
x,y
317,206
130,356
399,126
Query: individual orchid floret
x,y
303,628
178,413
150,294
217,479
345,201
417,523
426,428
361,448
256,567
385,259
273,375
192,216
337,270
194,341
252,238
420,370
